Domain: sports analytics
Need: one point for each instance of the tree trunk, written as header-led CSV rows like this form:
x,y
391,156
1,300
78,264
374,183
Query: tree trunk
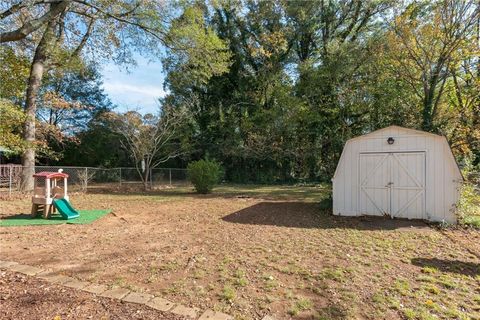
x,y
37,70
145,177
427,113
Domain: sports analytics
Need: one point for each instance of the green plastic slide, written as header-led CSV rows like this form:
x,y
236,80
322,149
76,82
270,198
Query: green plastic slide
x,y
65,209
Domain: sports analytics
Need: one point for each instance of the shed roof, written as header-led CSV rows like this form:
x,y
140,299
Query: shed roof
x,y
412,131
50,175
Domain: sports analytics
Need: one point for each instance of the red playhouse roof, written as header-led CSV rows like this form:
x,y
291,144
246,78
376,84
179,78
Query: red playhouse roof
x,y
50,175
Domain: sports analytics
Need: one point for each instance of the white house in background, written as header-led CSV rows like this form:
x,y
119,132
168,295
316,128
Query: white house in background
x,y
398,172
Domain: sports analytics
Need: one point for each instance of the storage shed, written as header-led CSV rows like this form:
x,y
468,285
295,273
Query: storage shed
x,y
397,172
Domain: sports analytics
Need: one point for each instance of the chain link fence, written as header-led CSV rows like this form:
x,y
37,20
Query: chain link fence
x,y
91,178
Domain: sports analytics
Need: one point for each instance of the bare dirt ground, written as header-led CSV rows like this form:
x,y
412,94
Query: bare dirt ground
x,y
23,297
251,251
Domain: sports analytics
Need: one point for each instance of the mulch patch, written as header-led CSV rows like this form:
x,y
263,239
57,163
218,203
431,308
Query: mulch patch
x,y
24,297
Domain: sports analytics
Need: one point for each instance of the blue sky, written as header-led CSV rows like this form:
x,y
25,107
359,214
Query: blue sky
x,y
135,89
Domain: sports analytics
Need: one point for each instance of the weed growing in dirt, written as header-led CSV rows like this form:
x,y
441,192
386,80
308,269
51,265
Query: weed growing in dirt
x,y
176,287
431,289
269,282
239,278
169,266
331,312
336,274
409,314
447,282
228,293
402,287
429,270
423,278
300,305
199,274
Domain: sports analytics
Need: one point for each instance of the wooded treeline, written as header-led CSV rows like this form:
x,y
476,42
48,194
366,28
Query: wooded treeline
x,y
271,89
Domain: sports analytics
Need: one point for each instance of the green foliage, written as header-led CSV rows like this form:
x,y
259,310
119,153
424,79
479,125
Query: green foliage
x,y
473,221
468,207
198,53
11,120
307,76
70,100
290,99
274,88
13,74
204,175
98,145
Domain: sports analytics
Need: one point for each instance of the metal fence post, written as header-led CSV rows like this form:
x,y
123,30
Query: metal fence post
x,y
10,181
86,178
170,176
120,169
151,179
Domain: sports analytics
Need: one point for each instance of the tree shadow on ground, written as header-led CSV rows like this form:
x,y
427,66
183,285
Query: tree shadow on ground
x,y
454,266
312,215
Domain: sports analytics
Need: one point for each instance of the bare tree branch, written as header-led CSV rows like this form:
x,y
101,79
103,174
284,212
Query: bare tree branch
x,y
13,9
148,139
121,17
84,40
22,4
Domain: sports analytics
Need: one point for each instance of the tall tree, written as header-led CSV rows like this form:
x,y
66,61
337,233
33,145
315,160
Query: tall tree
x,y
149,139
68,101
61,30
283,106
425,41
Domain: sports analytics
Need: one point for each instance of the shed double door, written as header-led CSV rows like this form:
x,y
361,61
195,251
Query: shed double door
x,y
392,184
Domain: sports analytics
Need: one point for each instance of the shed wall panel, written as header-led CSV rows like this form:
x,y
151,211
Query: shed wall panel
x,y
441,180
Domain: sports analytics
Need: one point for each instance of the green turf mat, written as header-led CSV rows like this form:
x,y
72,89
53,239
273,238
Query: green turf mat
x,y
86,216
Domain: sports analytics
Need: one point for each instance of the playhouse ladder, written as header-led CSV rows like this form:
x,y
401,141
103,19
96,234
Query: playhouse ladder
x,y
44,209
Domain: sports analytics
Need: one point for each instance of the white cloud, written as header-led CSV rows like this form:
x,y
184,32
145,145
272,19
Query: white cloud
x,y
136,89
148,91
141,97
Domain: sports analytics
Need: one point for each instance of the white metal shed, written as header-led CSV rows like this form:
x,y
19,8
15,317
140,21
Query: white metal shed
x,y
398,172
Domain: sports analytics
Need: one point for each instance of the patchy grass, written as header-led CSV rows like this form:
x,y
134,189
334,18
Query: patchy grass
x,y
429,270
256,250
336,274
300,305
240,279
469,206
228,293
473,221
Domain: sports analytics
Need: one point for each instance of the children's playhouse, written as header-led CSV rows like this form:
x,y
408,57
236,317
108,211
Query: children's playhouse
x,y
50,194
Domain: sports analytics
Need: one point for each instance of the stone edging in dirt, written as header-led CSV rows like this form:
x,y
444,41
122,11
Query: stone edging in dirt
x,y
122,294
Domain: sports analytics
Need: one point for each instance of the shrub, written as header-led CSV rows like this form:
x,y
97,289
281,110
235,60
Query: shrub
x,y
204,175
468,207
